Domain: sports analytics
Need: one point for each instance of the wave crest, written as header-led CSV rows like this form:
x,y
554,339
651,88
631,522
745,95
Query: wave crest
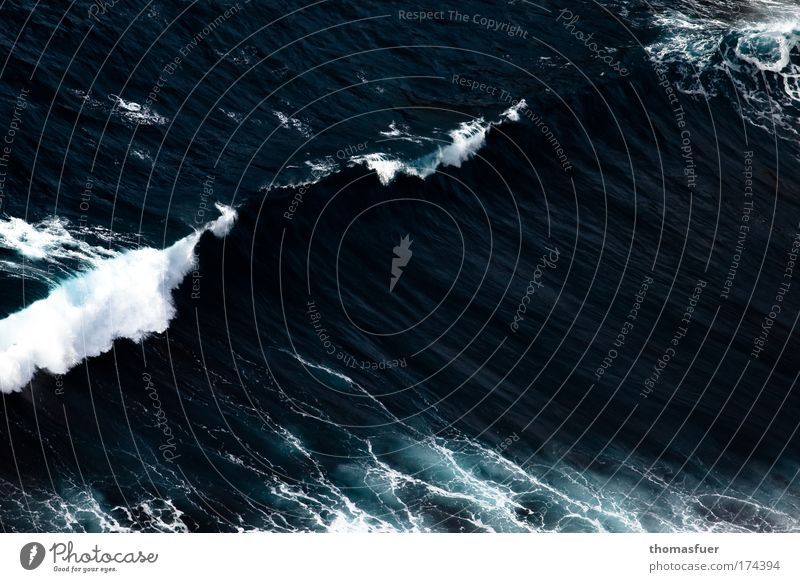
x,y
128,295
465,141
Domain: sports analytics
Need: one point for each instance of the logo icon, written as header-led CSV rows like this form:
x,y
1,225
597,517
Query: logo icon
x,y
403,255
31,555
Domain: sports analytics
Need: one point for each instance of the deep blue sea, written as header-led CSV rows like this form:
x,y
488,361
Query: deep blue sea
x,y
399,266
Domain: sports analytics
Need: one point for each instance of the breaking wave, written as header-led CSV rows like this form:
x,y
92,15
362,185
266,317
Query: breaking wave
x,y
123,295
465,141
50,240
751,50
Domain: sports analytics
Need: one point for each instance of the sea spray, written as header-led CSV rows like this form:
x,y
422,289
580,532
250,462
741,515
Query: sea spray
x,y
126,296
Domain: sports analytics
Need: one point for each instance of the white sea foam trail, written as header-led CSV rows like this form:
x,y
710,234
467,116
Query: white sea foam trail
x,y
465,141
49,240
128,295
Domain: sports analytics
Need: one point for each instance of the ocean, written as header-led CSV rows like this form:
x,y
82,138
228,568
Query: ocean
x,y
399,266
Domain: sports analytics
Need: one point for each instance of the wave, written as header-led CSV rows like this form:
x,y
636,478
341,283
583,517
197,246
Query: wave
x,y
770,49
135,112
465,141
764,41
403,133
51,240
761,46
127,295
293,123
83,510
458,484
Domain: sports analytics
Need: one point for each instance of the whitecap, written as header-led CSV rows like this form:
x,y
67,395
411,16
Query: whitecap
x,y
128,295
464,143
135,112
708,53
294,123
48,239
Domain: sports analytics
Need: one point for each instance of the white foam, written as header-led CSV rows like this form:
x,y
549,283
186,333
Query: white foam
x,y
308,364
465,141
222,226
47,239
128,296
768,45
711,50
136,112
291,122
385,166
512,113
402,132
393,131
131,106
765,39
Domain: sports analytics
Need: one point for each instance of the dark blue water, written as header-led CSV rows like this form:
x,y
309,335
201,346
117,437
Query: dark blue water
x,y
480,267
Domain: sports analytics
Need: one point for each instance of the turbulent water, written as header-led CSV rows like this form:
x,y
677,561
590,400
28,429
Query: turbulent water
x,y
342,266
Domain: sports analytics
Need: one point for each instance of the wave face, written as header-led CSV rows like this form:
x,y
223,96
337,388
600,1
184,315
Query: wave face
x,y
514,273
126,295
